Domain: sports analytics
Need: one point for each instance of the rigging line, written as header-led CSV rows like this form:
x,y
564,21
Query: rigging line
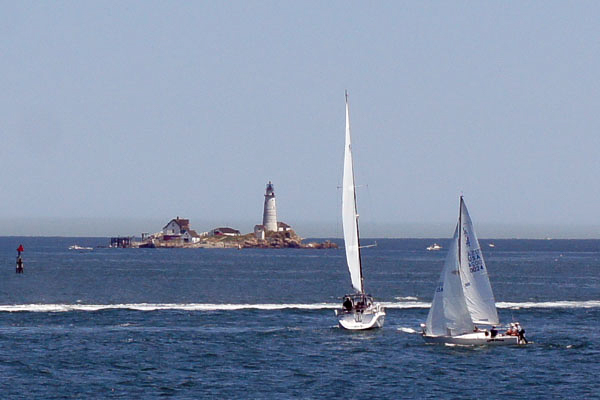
x,y
370,213
339,216
369,245
460,229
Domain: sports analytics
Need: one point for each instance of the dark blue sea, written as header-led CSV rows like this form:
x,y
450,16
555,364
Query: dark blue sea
x,y
259,324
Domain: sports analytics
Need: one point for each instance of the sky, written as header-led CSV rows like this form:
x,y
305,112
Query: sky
x,y
117,116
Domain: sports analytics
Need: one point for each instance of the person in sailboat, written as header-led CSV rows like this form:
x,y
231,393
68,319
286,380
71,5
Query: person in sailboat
x,y
521,331
360,305
347,304
512,330
493,332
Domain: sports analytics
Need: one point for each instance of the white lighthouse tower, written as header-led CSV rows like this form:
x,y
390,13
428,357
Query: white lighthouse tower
x,y
270,210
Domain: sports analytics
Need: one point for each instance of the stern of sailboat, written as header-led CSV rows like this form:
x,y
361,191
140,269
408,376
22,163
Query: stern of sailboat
x,y
359,311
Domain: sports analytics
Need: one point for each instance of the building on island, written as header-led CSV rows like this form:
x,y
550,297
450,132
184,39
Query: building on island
x,y
176,226
119,241
179,229
270,209
270,223
259,232
283,227
224,231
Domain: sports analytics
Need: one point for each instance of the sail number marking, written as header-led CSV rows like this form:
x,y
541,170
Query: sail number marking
x,y
475,261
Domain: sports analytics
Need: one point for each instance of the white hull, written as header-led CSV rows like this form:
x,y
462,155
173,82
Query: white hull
x,y
474,339
76,247
370,318
434,247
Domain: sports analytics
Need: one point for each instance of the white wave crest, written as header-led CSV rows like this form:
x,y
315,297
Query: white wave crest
x,y
407,330
406,304
550,304
413,298
155,307
233,307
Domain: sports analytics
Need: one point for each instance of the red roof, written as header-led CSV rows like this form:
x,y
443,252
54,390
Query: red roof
x,y
184,224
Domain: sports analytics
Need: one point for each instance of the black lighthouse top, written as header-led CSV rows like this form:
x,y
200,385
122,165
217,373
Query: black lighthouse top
x,y
270,189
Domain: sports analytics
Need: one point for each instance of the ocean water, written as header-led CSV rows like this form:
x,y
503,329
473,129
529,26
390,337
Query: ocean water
x,y
226,323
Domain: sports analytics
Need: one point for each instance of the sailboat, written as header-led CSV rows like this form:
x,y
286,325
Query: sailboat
x,y
359,311
463,300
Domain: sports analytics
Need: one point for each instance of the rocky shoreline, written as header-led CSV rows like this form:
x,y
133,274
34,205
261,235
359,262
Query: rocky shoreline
x,y
272,240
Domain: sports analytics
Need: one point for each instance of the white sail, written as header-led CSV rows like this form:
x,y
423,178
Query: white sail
x,y
349,214
449,315
476,283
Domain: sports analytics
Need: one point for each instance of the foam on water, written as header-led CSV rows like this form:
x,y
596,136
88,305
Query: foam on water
x,y
156,307
551,304
234,307
407,330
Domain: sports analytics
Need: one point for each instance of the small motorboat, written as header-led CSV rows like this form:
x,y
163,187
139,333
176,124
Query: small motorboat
x,y
77,247
434,247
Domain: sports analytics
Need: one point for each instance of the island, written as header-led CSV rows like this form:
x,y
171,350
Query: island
x,y
272,240
271,234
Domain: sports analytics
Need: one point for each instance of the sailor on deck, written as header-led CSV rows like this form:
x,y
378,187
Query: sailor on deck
x,y
347,304
522,339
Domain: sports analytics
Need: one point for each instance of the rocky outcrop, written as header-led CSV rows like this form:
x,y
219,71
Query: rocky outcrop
x,y
285,240
273,240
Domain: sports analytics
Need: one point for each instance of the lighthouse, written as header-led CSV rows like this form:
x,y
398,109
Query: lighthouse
x,y
270,210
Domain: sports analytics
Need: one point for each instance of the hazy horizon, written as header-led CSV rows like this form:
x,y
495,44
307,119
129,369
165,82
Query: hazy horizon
x,y
107,227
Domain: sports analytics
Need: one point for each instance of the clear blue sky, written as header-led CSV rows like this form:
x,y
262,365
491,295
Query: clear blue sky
x,y
117,116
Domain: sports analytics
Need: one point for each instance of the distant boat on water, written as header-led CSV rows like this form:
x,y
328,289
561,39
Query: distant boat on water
x,y
464,299
76,247
434,247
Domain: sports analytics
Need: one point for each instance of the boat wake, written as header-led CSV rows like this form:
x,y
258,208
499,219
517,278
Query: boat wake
x,y
159,306
550,304
406,298
235,307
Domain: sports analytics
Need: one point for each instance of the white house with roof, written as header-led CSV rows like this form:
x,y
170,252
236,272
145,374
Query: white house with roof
x,y
259,232
283,227
176,226
179,228
224,231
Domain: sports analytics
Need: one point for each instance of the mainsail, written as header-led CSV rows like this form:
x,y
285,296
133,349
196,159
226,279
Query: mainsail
x,y
476,283
449,315
349,214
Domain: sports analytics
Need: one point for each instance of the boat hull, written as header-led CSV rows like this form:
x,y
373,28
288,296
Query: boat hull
x,y
473,339
361,320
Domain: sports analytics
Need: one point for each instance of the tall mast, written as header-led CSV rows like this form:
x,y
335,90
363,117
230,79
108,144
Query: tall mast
x,y
460,230
362,285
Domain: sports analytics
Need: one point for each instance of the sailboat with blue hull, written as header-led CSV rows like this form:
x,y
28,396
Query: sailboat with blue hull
x,y
359,311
